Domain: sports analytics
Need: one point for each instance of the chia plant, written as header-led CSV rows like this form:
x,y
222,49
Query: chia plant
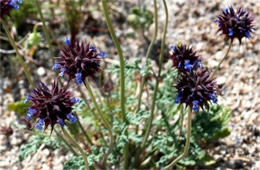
x,y
131,130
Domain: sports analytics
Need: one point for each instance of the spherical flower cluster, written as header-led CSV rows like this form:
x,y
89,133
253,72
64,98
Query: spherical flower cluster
x,y
7,5
196,89
51,106
79,60
184,58
235,24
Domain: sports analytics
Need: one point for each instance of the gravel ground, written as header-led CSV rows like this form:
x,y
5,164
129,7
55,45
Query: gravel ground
x,y
190,22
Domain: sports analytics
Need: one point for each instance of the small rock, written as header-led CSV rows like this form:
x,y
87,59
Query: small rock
x,y
41,71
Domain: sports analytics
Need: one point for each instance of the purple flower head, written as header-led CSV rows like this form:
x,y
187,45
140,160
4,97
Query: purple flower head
x,y
184,58
196,89
51,106
7,5
235,24
79,60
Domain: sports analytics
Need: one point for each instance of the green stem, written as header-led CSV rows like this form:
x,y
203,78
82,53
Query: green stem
x,y
150,121
85,133
66,143
106,123
226,55
187,143
148,54
45,30
122,74
168,127
20,58
79,148
181,119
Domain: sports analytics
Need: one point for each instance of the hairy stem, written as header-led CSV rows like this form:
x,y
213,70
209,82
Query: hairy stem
x,y
150,120
106,123
72,141
20,58
66,143
122,74
84,133
181,119
187,143
148,54
225,56
45,30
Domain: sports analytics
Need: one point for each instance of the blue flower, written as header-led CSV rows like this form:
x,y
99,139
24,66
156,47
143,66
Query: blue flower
x,y
62,72
61,122
75,100
195,106
28,97
14,4
226,10
72,118
78,78
102,54
93,48
67,41
40,124
196,63
178,98
213,97
187,65
56,67
247,34
230,32
172,47
30,113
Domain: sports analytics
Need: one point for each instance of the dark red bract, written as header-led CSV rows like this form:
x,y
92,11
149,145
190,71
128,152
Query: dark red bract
x,y
235,24
51,106
79,60
184,58
196,89
7,5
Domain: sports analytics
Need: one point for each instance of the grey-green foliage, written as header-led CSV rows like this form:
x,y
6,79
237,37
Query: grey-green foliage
x,y
32,146
77,162
166,144
206,126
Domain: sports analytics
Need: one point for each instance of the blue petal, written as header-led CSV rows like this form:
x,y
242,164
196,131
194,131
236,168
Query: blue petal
x,y
172,47
78,78
195,105
230,32
75,100
40,124
226,10
247,34
102,54
56,66
28,97
213,98
92,48
67,41
62,72
178,98
61,122
72,118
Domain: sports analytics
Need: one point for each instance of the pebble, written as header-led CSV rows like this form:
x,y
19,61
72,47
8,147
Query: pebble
x,y
41,71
